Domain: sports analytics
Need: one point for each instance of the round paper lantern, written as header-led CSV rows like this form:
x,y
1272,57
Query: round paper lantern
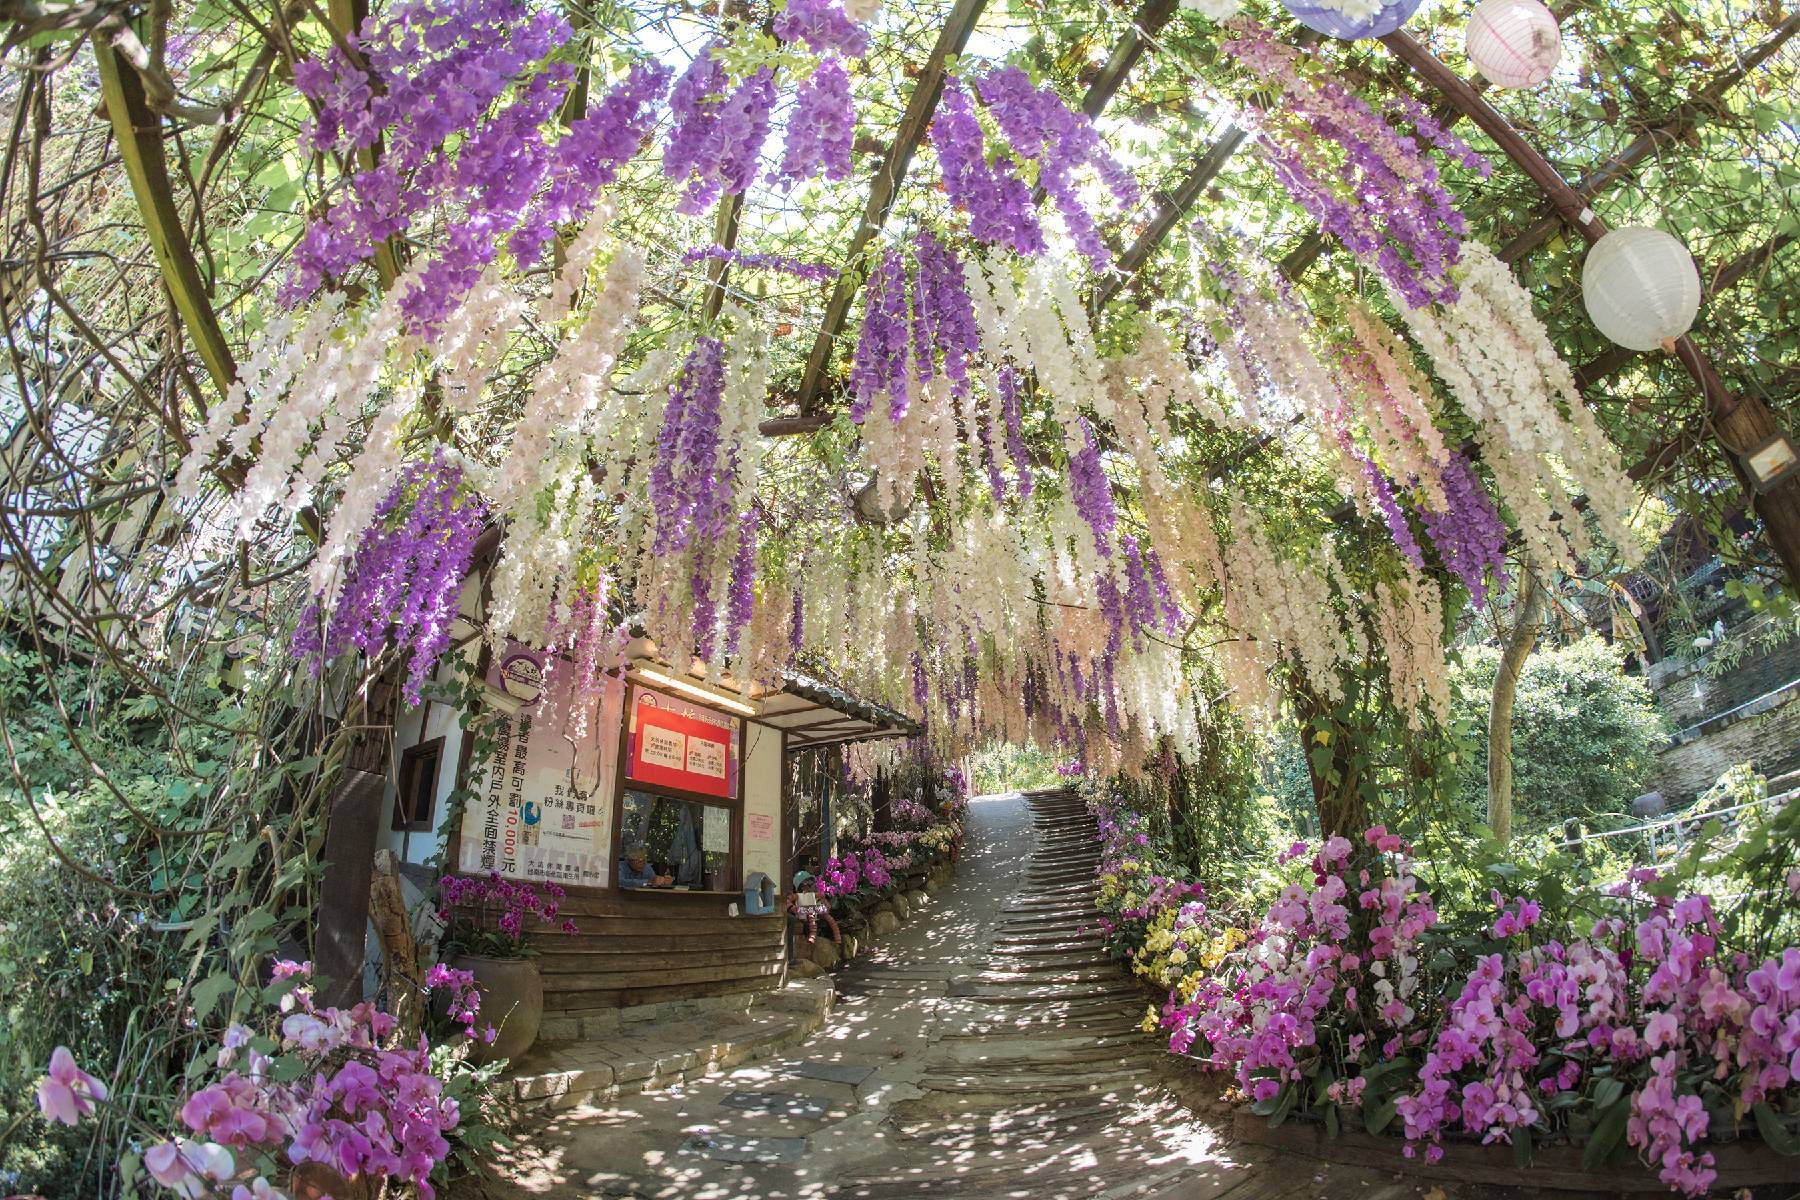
x,y
1373,18
1640,286
1514,43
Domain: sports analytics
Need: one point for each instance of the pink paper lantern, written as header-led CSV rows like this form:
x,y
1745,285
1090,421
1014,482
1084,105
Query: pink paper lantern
x,y
1514,43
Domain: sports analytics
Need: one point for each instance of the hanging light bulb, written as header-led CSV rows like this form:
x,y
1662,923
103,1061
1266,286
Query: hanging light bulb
x,y
1352,19
1514,43
1641,287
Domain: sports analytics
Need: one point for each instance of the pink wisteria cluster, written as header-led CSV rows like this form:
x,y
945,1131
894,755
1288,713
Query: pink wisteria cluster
x,y
326,1086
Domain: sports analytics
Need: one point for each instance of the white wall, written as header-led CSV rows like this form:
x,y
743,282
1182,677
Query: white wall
x,y
762,803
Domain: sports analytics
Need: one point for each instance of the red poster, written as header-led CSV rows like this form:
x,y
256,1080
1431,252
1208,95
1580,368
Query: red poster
x,y
684,750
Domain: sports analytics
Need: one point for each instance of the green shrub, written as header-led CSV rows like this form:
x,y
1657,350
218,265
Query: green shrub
x,y
1585,735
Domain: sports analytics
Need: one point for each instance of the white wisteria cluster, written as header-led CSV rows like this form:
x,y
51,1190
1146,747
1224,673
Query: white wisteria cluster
x,y
1498,361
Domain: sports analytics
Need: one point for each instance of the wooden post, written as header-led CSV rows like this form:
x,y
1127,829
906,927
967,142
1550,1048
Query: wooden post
x,y
399,951
1739,422
353,826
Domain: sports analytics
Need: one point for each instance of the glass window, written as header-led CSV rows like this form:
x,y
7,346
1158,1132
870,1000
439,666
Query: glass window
x,y
677,844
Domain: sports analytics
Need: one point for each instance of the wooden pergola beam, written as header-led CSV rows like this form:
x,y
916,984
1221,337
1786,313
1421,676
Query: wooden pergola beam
x,y
1739,422
1683,120
882,191
1170,208
1146,23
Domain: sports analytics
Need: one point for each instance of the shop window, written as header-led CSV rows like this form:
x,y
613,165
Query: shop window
x,y
685,845
418,781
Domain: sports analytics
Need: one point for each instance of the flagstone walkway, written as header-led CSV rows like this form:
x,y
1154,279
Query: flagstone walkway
x,y
987,1049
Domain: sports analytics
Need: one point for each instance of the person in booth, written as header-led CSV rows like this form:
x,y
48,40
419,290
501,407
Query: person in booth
x,y
635,870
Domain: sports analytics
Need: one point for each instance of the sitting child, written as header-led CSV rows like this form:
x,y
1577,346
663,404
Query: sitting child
x,y
808,916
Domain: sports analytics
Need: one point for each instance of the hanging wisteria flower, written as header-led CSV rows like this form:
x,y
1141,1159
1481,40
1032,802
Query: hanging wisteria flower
x,y
822,129
718,137
824,25
996,199
1039,126
686,493
462,102
405,577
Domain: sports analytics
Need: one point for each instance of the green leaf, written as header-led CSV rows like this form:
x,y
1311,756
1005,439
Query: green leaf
x,y
1606,1092
1608,1135
1332,1124
209,991
1521,1144
1380,1117
1774,1131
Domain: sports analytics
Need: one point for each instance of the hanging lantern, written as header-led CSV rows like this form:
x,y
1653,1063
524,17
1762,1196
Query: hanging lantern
x,y
1641,287
1514,43
1352,19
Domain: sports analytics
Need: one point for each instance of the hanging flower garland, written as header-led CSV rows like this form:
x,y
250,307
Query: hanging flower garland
x,y
402,585
1365,181
462,100
1041,129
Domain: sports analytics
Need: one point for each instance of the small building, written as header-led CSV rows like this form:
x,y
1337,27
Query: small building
x,y
696,774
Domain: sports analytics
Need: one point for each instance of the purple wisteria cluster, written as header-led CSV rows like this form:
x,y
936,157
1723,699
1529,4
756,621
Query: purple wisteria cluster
x,y
1091,490
718,133
914,327
1039,128
822,130
1469,534
996,199
1366,182
450,111
824,26
690,495
779,264
402,584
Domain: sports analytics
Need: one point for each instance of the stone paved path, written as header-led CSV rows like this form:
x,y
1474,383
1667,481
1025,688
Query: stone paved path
x,y
987,1049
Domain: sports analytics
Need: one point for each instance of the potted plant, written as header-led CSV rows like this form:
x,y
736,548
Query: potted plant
x,y
485,936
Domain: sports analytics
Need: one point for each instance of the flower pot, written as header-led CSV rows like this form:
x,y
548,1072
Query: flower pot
x,y
512,1001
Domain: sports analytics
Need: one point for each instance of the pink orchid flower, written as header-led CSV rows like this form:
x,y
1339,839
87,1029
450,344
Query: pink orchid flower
x,y
68,1093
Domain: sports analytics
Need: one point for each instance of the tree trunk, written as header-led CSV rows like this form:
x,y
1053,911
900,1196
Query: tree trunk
x,y
1518,648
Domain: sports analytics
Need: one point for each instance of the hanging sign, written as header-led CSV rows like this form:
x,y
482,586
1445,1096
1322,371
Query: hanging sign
x,y
676,744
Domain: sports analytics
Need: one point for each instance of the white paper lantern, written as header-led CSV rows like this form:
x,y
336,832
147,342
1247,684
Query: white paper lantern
x,y
1640,286
1514,43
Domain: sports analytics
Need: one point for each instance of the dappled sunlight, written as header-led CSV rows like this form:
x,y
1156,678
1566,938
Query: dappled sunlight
x,y
989,1048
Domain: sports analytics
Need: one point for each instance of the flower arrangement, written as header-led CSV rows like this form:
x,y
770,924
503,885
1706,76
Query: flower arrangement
x,y
1351,995
487,916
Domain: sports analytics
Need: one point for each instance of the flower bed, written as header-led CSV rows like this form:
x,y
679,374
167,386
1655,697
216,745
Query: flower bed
x,y
1350,997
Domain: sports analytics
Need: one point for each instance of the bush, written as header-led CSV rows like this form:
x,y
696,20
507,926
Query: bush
x,y
1585,734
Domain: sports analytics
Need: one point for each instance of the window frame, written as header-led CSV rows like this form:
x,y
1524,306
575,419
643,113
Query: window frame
x,y
402,821
623,782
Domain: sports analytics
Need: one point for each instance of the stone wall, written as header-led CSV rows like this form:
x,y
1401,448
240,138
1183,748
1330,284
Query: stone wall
x,y
1750,713
1765,733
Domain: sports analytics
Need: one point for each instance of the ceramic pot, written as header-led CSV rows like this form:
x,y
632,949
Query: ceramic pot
x,y
512,1001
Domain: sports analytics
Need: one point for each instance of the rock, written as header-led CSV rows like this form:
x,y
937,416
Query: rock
x,y
825,954
902,909
852,946
806,968
886,906
883,923
915,899
934,882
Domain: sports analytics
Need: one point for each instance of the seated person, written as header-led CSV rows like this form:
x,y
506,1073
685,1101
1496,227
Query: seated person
x,y
807,919
635,870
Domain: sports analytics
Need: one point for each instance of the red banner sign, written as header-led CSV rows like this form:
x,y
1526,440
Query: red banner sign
x,y
673,745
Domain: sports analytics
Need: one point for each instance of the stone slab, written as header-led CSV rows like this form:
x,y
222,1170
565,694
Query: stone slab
x,y
850,1073
785,1104
731,1147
